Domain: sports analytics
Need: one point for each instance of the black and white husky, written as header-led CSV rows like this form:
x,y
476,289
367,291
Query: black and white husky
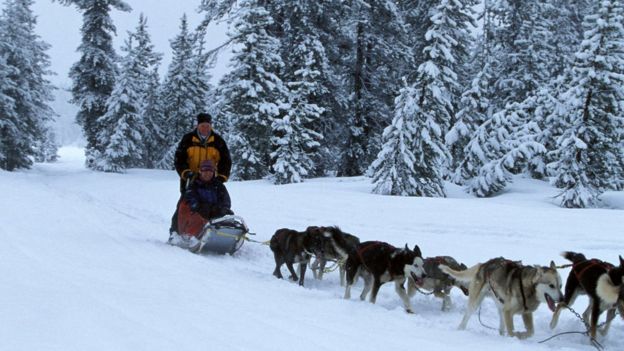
x,y
378,263
601,281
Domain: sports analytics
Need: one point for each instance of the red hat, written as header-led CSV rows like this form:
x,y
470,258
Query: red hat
x,y
207,165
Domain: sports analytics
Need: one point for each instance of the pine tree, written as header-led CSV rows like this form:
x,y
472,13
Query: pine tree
x,y
296,135
590,148
93,75
434,87
520,37
30,91
121,136
153,117
326,21
10,155
468,137
393,170
463,139
252,94
46,150
183,94
144,65
379,58
508,141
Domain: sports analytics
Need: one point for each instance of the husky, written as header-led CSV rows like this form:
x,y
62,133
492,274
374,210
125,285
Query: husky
x,y
290,247
438,282
601,281
516,288
337,245
378,263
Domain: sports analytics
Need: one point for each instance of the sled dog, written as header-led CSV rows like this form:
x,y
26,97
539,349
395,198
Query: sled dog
x,y
378,263
438,282
601,281
336,247
516,289
290,247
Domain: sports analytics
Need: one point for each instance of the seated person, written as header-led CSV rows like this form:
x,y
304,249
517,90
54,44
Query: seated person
x,y
206,195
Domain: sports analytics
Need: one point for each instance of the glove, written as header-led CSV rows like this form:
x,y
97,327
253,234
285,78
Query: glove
x,y
221,178
187,174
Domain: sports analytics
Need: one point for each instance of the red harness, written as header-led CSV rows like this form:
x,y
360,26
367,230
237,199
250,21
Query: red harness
x,y
581,267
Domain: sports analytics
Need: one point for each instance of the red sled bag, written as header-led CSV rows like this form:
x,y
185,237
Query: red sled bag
x,y
189,222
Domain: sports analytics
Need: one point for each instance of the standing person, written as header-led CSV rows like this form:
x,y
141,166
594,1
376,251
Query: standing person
x,y
200,144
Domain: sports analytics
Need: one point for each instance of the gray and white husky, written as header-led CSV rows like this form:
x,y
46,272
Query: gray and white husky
x,y
516,289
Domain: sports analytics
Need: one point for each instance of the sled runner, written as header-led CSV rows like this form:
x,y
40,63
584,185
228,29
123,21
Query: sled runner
x,y
224,235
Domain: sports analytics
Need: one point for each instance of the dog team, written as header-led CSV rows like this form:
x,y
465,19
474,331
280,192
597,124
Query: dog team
x,y
515,288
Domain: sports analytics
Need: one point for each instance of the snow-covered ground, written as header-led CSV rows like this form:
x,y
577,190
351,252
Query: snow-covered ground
x,y
84,265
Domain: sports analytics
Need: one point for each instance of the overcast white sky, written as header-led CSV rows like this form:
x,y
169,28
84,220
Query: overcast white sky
x,y
60,25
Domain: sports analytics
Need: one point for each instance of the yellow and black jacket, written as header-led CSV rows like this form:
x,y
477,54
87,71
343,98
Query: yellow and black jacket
x,y
192,150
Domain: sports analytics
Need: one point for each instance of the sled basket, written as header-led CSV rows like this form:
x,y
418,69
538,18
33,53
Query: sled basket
x,y
223,235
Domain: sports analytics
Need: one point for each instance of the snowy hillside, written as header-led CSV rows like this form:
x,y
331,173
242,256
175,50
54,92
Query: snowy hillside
x,y
84,265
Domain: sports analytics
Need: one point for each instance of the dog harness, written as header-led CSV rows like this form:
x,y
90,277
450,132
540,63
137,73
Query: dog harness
x,y
517,272
579,268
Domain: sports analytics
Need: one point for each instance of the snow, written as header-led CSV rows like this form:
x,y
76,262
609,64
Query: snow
x,y
84,264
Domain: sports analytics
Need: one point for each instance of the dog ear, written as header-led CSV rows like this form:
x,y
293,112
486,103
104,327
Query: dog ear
x,y
621,261
553,266
417,251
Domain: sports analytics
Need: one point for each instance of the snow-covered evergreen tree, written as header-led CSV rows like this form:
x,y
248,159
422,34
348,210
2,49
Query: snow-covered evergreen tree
x,y
393,170
144,71
328,24
296,134
31,93
503,144
463,140
46,150
93,75
566,33
183,93
379,57
434,89
204,61
10,140
467,138
520,36
121,136
153,116
590,152
252,94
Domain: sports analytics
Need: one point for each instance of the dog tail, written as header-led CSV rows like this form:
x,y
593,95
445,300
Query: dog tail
x,y
573,257
466,276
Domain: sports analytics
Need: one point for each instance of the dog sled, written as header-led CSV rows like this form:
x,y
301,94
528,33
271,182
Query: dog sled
x,y
223,235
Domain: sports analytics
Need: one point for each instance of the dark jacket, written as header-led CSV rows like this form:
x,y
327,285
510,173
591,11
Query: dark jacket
x,y
192,150
209,199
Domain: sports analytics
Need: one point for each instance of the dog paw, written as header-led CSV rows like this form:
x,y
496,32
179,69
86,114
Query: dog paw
x,y
409,311
521,335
